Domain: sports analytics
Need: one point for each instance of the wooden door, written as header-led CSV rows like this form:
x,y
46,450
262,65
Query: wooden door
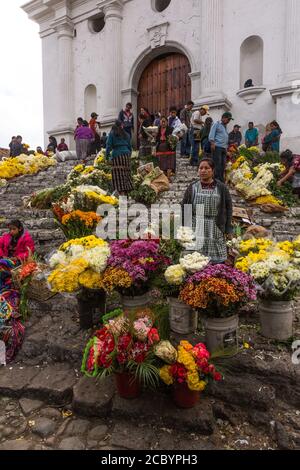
x,y
164,83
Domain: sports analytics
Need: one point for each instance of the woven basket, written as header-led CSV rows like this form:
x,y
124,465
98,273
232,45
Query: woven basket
x,y
37,289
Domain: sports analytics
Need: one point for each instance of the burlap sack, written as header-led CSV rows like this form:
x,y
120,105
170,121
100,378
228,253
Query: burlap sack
x,y
160,184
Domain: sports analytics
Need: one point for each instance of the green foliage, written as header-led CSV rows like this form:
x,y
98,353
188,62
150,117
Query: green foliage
x,y
146,372
44,199
161,313
143,194
284,193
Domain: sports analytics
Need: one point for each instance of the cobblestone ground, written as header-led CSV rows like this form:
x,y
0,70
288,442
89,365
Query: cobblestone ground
x,y
30,425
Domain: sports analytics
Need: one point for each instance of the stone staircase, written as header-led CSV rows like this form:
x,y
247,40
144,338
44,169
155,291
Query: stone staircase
x,y
40,223
281,226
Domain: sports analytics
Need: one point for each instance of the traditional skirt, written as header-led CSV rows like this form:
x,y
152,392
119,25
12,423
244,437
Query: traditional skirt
x,y
11,329
121,174
166,161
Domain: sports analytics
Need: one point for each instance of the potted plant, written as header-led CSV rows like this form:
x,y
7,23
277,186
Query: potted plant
x,y
183,319
188,369
124,347
275,269
217,293
131,268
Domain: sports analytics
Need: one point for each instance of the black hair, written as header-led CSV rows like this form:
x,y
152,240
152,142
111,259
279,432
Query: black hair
x,y
85,124
173,108
118,130
16,223
251,123
209,161
190,103
275,123
288,156
129,104
80,119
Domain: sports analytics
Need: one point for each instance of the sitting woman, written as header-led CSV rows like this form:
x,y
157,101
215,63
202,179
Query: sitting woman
x,y
166,156
15,247
212,213
291,173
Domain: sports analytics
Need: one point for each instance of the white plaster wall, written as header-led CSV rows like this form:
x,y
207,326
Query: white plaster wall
x,y
241,20
89,66
50,84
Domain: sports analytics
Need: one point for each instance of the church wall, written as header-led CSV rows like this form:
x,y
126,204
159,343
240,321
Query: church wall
x,y
267,22
50,84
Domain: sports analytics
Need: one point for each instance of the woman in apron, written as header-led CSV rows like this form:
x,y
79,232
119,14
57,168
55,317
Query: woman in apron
x,y
212,213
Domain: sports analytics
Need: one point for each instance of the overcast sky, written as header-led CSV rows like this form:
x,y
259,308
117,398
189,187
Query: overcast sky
x,y
21,100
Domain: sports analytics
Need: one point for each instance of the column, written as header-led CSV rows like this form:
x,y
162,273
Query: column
x,y
211,47
65,34
292,41
113,54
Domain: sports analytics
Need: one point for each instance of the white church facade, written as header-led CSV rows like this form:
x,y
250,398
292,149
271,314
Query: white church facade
x,y
100,54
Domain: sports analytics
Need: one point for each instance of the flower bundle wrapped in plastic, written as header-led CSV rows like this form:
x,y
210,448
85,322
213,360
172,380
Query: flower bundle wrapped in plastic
x,y
191,365
124,344
79,263
140,259
275,269
218,290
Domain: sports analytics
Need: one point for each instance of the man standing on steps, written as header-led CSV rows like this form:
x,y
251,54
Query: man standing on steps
x,y
219,138
197,123
185,117
251,136
127,118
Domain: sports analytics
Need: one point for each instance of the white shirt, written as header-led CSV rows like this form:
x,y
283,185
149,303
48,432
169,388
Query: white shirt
x,y
198,117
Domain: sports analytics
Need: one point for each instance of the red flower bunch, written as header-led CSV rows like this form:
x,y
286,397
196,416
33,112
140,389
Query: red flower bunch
x,y
27,269
121,344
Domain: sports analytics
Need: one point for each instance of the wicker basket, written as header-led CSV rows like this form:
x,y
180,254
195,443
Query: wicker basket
x,y
38,287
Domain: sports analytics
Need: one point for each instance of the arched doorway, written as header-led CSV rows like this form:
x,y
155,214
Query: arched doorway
x,y
165,82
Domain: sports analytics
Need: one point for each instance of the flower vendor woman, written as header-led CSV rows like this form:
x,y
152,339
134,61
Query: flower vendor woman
x,y
167,162
212,212
291,172
118,150
17,244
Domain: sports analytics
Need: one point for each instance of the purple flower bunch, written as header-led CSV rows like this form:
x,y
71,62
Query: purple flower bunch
x,y
242,281
139,258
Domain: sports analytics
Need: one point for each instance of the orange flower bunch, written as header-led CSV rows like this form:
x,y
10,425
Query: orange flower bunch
x,y
200,295
27,270
90,219
115,278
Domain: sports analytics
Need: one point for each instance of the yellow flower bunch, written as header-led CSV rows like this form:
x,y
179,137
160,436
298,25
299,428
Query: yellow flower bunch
x,y
90,279
88,170
286,246
185,357
243,264
256,244
101,199
24,165
268,200
90,219
296,243
166,375
238,163
66,279
86,242
79,168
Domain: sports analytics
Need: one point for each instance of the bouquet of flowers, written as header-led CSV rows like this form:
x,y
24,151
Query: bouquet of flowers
x,y
186,364
218,291
176,275
79,263
274,267
133,265
124,344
